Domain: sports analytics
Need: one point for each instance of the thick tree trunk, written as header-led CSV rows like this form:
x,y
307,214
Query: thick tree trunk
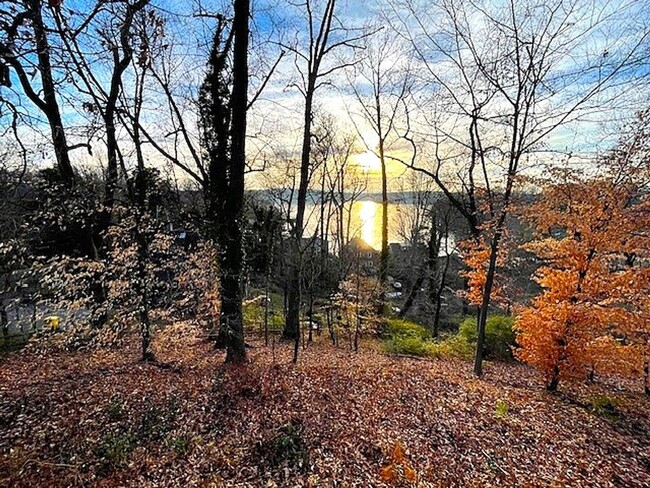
x,y
232,265
554,381
51,106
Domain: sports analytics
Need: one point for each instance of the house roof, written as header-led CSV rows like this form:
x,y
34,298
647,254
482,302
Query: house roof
x,y
358,244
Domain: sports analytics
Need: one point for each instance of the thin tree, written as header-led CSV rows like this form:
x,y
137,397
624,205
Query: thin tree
x,y
381,83
324,39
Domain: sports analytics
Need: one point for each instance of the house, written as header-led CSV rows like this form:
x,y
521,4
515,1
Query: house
x,y
361,256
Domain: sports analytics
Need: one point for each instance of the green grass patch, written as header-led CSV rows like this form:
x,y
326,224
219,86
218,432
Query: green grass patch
x,y
410,345
179,444
501,409
287,448
454,346
412,339
116,448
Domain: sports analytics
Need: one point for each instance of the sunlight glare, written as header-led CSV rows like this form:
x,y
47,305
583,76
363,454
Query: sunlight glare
x,y
367,214
368,161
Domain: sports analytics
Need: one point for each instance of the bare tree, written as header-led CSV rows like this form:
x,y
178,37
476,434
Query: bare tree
x,y
326,36
104,94
24,33
380,86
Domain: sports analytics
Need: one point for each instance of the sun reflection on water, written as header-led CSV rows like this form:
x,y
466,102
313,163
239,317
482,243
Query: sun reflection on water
x,y
368,215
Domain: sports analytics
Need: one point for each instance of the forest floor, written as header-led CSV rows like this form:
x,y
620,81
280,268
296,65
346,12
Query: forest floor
x,y
336,419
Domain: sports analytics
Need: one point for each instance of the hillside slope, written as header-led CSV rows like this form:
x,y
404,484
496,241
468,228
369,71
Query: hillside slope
x,y
338,418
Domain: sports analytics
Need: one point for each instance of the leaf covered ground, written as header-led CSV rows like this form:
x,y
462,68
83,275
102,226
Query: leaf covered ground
x,y
338,418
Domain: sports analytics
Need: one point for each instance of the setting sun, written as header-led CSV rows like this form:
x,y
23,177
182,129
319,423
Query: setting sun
x,y
368,161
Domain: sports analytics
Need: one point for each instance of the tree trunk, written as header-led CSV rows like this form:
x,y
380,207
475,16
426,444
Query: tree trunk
x,y
142,256
555,379
646,371
485,303
51,106
383,256
310,337
412,294
292,325
232,265
441,286
4,324
267,299
110,109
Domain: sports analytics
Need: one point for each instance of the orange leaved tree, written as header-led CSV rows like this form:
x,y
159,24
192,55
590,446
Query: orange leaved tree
x,y
592,314
476,257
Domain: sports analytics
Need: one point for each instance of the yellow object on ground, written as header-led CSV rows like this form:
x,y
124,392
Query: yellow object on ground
x,y
53,322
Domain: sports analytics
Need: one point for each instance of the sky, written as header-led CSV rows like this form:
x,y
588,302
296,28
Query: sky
x,y
275,121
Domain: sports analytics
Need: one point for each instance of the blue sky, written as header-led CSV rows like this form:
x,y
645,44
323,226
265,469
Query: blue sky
x,y
275,120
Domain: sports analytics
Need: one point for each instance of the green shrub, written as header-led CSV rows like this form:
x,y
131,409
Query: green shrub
x,y
400,327
455,347
499,337
115,408
158,420
501,409
253,313
287,448
455,320
604,406
405,337
115,448
276,322
180,445
410,345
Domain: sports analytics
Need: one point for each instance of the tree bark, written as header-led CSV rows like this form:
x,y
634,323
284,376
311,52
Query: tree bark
x,y
485,304
291,329
51,106
232,265
646,374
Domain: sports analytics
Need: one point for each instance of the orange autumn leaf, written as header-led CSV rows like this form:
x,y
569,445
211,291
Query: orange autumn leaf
x,y
388,474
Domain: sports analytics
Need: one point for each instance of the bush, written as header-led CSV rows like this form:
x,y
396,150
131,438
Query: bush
x,y
115,408
604,406
115,448
288,448
405,337
499,337
180,445
405,328
501,409
253,314
411,345
455,347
